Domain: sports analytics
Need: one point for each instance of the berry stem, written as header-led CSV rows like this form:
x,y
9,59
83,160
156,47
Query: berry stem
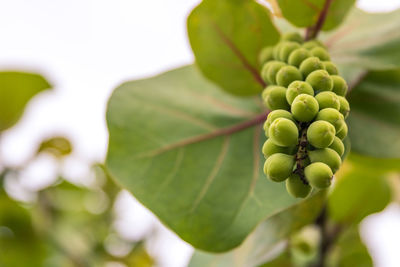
x,y
301,154
313,31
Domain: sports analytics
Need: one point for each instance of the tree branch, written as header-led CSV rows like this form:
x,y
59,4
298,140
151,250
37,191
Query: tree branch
x,y
313,31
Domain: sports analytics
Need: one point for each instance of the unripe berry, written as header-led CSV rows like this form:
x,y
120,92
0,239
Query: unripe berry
x,y
327,100
273,69
330,68
296,187
279,167
269,148
309,65
320,134
327,156
298,56
283,132
287,49
313,43
273,115
264,70
320,80
344,106
296,88
276,50
292,36
288,74
319,175
304,108
339,85
274,97
333,116
338,146
265,55
343,132
320,53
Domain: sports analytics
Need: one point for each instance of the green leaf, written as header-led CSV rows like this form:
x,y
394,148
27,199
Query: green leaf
x,y
367,40
257,247
226,37
305,13
360,190
16,89
374,121
186,150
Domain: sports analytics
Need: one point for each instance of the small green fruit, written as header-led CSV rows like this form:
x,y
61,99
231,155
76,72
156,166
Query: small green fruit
x,y
339,85
283,132
278,113
288,74
320,134
279,167
344,106
330,68
272,70
338,146
320,80
269,148
333,116
304,108
296,88
327,100
296,187
309,65
327,156
287,49
265,55
320,53
313,43
319,175
298,56
343,132
293,37
274,97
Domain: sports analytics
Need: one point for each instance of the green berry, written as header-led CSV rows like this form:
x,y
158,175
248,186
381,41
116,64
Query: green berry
x,y
320,80
330,68
309,65
304,108
338,146
328,156
269,148
320,134
283,132
296,187
293,37
287,49
327,100
265,55
278,113
279,167
312,43
296,88
343,132
273,69
274,97
320,53
276,50
339,85
319,175
298,56
333,116
344,106
288,74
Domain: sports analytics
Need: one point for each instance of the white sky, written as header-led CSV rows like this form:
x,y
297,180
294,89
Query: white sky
x,y
86,48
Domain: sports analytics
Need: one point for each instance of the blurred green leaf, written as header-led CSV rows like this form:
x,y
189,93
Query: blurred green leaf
x,y
226,37
16,89
257,247
374,121
360,190
305,13
367,40
349,251
210,189
58,146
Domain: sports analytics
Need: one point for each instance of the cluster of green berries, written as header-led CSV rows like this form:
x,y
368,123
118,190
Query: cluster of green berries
x,y
306,125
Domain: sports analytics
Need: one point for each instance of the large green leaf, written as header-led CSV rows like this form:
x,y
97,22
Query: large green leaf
x,y
374,121
305,13
361,189
16,89
367,40
226,37
257,248
186,150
